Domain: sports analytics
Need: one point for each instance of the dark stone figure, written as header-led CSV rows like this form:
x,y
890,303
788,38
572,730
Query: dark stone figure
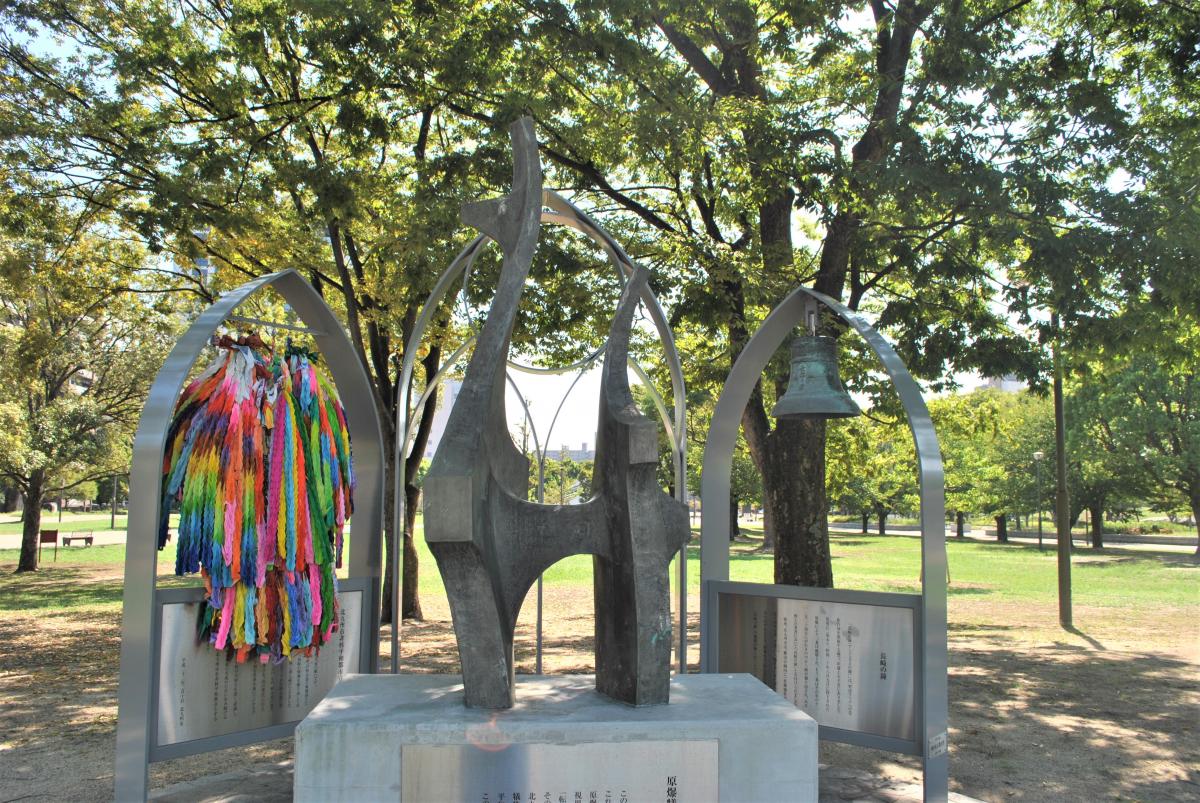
x,y
491,543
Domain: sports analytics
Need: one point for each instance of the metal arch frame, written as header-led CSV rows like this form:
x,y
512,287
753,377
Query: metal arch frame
x,y
140,639
714,530
562,212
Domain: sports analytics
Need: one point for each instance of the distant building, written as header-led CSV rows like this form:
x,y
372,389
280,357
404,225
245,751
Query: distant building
x,y
1008,383
578,455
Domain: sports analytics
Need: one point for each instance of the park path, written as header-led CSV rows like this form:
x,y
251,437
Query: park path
x,y
1177,544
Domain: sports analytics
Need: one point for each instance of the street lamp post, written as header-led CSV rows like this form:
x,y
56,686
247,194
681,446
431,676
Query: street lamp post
x,y
1037,465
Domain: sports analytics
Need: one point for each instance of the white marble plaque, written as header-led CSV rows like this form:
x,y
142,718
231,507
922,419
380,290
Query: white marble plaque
x,y
202,693
847,665
595,772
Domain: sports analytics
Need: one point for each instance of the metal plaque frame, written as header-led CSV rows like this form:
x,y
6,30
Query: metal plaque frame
x,y
140,636
930,625
163,752
715,590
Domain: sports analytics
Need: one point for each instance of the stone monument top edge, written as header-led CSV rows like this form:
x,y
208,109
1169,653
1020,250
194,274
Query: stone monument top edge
x,y
434,702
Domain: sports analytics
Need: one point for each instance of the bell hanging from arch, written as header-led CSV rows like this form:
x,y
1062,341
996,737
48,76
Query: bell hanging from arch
x,y
814,388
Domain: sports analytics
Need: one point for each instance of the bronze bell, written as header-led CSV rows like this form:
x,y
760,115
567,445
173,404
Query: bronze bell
x,y
814,388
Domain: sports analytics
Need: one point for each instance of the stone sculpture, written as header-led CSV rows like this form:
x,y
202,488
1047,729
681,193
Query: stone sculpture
x,y
491,544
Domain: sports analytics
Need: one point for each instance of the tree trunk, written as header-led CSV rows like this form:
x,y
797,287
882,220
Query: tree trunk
x,y
768,531
1097,511
794,487
1002,528
881,514
410,605
1194,498
959,524
32,519
389,517
866,521
734,530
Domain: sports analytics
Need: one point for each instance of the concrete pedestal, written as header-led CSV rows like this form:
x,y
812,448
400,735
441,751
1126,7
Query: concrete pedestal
x,y
562,743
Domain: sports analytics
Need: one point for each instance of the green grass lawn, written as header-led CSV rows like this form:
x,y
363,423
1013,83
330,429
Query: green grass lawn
x,y
1006,573
96,521
1012,572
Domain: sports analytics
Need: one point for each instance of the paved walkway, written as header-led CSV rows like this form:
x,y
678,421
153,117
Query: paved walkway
x,y
1184,544
272,783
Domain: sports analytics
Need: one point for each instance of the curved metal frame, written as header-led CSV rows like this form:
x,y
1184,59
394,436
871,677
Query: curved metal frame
x,y
563,212
714,528
139,639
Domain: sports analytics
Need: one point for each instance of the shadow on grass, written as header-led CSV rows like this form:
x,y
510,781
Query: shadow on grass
x,y
1108,558
954,628
57,588
66,587
1095,644
968,591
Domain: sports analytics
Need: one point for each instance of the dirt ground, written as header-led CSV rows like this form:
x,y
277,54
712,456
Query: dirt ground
x,y
1036,714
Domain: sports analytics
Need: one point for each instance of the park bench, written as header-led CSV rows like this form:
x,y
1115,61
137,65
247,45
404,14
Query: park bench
x,y
86,538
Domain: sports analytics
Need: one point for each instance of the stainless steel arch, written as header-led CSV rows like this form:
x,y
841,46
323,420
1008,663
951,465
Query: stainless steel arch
x,y
563,212
139,638
717,466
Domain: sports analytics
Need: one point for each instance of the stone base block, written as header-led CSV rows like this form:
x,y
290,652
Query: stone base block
x,y
409,738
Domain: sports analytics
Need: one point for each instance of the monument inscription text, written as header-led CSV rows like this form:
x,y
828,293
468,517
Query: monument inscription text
x,y
202,693
594,772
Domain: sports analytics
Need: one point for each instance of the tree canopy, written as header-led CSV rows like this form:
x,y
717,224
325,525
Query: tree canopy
x,y
955,170
80,347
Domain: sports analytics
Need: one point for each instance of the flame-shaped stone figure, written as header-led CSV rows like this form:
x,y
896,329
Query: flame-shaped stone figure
x,y
491,543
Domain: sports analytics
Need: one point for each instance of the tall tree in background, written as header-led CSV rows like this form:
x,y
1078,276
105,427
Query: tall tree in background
x,y
77,352
873,468
886,134
264,136
1145,410
912,159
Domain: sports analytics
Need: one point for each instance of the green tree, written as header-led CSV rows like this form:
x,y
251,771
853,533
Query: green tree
x,y
1146,412
916,148
262,136
567,480
77,354
988,439
1102,480
967,425
872,467
745,482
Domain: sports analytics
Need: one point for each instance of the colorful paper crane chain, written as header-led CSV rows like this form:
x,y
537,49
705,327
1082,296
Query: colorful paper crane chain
x,y
259,465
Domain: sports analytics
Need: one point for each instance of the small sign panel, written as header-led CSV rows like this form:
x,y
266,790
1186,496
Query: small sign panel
x,y
201,693
595,772
847,665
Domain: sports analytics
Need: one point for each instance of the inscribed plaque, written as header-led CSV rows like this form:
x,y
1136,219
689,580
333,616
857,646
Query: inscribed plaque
x,y
202,693
596,772
847,665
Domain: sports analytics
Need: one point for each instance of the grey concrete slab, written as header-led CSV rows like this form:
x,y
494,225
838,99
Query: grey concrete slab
x,y
349,747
